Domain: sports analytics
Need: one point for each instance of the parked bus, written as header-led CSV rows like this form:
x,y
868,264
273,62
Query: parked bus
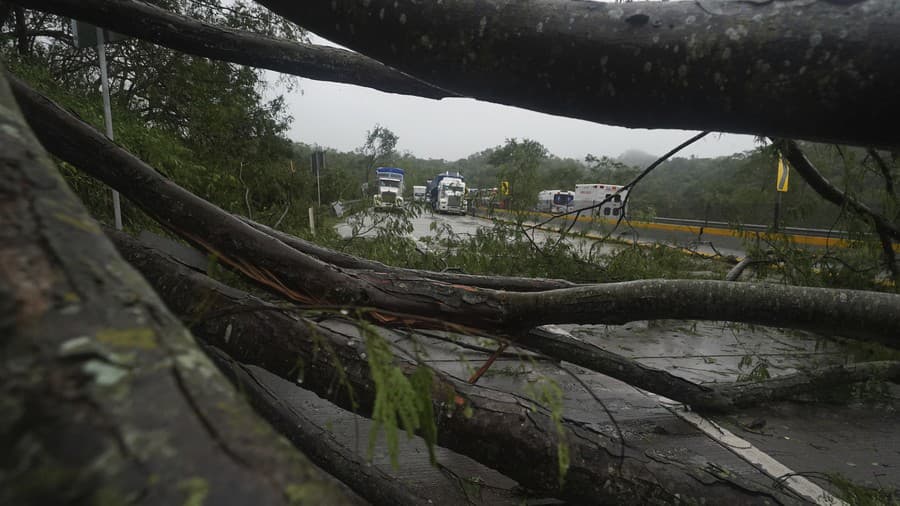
x,y
555,201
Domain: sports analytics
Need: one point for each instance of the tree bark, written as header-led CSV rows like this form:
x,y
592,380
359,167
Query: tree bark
x,y
104,396
502,430
790,69
195,37
416,301
315,441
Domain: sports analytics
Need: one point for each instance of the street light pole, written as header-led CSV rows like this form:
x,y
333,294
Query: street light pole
x,y
107,115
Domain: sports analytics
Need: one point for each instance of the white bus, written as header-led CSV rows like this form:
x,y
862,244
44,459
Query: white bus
x,y
555,201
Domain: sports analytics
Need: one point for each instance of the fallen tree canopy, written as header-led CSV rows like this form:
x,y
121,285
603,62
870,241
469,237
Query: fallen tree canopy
x,y
105,396
482,423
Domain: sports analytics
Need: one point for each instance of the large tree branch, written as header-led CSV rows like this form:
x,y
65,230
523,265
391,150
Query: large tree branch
x,y
413,300
105,396
791,69
190,36
704,397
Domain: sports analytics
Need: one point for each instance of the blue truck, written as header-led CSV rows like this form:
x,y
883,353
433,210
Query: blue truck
x,y
447,193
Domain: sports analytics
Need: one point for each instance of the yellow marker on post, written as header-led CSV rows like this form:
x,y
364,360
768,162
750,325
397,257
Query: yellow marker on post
x,y
781,183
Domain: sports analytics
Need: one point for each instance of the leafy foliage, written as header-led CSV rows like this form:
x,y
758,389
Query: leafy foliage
x,y
518,162
401,401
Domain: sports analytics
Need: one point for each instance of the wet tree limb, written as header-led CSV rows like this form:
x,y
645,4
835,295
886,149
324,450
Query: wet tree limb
x,y
105,396
787,69
703,397
188,35
305,279
346,464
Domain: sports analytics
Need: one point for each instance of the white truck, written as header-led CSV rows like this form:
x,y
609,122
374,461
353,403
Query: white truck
x,y
587,195
450,195
418,193
389,187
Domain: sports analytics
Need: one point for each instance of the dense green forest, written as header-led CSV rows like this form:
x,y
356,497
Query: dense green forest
x,y
206,125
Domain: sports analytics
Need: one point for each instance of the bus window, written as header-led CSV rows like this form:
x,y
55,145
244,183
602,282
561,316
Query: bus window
x,y
617,198
606,211
615,211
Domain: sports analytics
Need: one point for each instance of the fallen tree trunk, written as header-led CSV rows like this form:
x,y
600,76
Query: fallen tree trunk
x,y
416,301
188,35
105,397
704,397
498,429
788,69
344,463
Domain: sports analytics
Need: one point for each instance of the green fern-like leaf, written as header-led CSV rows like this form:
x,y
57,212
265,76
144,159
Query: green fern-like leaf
x,y
401,401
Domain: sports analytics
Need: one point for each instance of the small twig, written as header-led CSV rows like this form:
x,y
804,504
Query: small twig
x,y
286,209
487,365
246,190
738,269
885,172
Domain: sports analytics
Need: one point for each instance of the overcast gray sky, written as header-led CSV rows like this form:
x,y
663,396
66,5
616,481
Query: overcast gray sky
x,y
338,116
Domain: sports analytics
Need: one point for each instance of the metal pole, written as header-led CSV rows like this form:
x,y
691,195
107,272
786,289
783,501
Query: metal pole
x,y
107,115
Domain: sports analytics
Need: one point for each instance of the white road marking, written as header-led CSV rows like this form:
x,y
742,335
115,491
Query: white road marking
x,y
740,447
752,455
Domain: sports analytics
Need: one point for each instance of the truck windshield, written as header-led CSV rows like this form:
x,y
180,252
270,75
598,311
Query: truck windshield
x,y
390,183
454,187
